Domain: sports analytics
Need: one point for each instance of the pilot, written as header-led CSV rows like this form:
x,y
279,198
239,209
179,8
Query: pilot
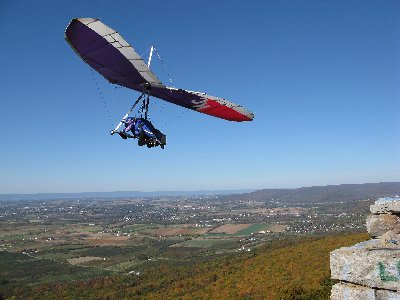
x,y
144,131
131,124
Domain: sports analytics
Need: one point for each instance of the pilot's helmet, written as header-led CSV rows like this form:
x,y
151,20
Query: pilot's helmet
x,y
130,119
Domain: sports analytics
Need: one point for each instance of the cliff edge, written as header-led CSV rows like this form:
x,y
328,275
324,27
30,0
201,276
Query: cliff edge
x,y
371,270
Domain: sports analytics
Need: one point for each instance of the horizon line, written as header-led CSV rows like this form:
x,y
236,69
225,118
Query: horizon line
x,y
195,190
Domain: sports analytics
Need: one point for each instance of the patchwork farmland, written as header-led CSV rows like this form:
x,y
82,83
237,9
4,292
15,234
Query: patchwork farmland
x,y
72,239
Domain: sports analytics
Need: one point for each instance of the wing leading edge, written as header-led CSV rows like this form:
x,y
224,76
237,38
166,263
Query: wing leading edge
x,y
109,54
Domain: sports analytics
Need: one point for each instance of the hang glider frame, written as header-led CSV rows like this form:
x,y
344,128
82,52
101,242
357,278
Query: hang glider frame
x,y
145,106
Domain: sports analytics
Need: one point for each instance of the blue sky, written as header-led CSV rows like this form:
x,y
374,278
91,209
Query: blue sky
x,y
322,78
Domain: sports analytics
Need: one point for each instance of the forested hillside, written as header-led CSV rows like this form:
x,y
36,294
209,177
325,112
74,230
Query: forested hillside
x,y
281,269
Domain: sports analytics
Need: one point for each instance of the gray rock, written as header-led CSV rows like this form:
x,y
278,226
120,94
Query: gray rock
x,y
386,295
390,238
378,225
386,205
346,291
368,264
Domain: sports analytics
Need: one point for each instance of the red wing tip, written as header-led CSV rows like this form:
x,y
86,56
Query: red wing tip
x,y
241,119
250,117
237,114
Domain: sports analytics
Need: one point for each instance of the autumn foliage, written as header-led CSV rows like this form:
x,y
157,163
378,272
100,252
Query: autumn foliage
x,y
283,269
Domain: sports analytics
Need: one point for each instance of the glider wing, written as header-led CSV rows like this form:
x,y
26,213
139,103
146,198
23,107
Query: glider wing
x,y
108,53
203,103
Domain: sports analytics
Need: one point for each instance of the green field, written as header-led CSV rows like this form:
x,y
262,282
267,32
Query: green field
x,y
23,269
135,228
209,243
90,228
255,228
14,237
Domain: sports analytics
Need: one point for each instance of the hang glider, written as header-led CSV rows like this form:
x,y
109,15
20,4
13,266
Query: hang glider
x,y
108,53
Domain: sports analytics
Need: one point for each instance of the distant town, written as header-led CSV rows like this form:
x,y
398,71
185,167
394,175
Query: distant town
x,y
36,224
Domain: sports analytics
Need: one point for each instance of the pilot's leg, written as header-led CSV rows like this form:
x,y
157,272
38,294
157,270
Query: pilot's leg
x,y
142,139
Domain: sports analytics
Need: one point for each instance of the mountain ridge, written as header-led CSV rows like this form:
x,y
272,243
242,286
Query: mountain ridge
x,y
115,194
311,194
328,193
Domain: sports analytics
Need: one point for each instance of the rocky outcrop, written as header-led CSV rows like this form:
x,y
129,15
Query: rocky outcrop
x,y
353,291
371,269
386,206
378,225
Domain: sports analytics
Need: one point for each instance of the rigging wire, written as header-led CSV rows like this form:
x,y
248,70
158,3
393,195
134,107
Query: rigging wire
x,y
113,100
165,68
183,111
145,52
101,96
177,117
141,109
162,108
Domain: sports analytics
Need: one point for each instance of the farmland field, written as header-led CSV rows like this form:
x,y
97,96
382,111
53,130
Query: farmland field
x,y
208,243
178,230
230,228
82,259
277,228
254,228
246,229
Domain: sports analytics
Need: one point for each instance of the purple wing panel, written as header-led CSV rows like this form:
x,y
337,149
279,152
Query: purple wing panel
x,y
203,103
108,53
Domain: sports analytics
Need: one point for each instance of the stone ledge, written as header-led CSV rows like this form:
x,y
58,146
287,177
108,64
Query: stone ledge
x,y
386,205
378,225
390,238
386,295
348,291
367,264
